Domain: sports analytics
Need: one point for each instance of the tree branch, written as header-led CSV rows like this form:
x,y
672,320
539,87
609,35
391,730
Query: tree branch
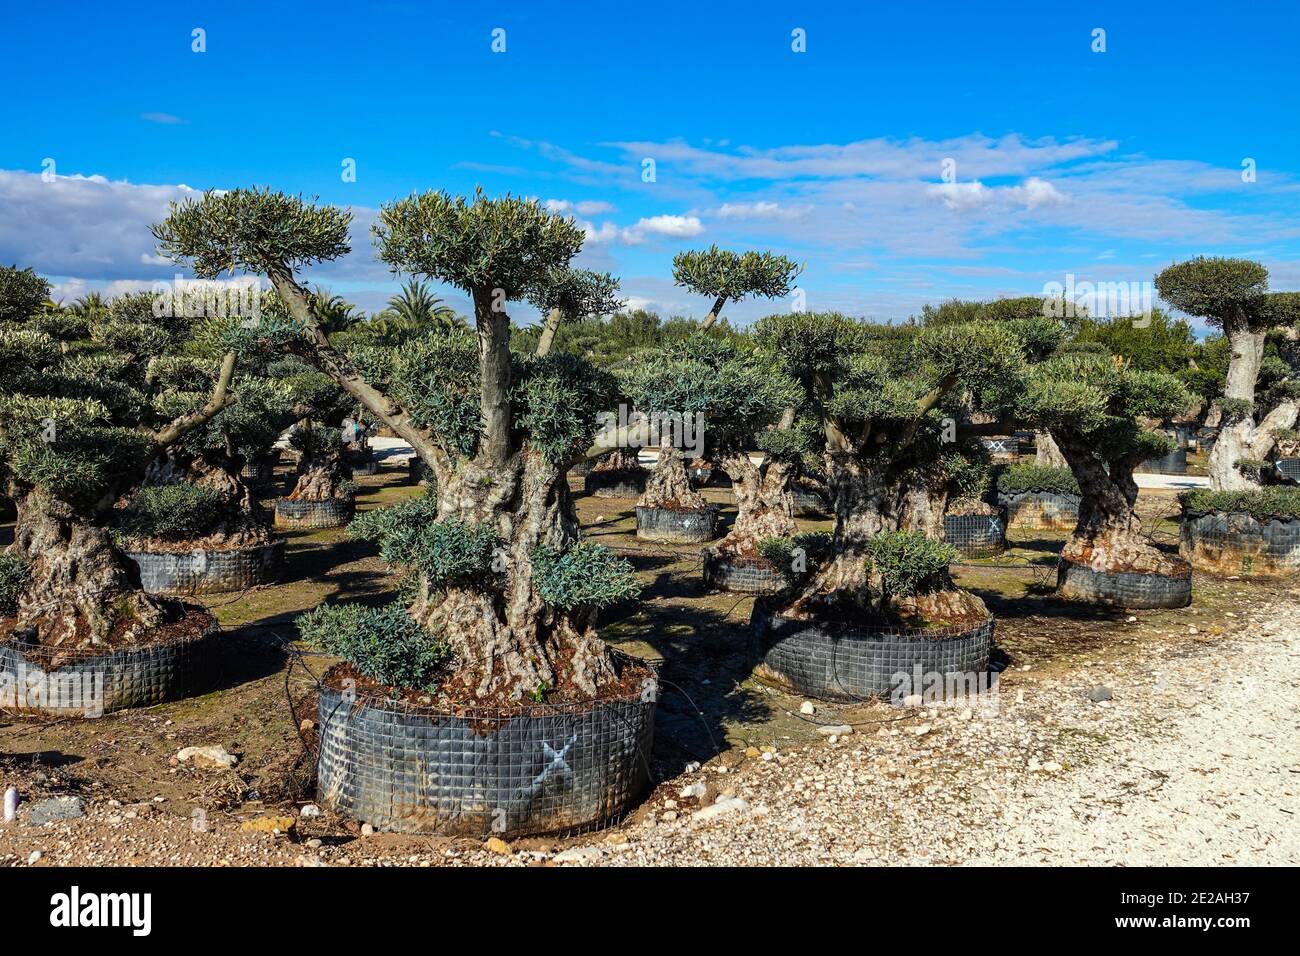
x,y
221,398
712,317
337,365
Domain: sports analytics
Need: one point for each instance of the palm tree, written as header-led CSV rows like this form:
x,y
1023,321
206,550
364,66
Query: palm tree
x,y
335,314
90,306
415,307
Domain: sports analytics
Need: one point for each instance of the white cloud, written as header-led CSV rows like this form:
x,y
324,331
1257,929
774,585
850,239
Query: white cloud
x,y
759,210
165,119
584,207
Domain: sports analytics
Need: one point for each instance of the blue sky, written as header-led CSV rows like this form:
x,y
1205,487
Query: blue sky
x,y
1107,166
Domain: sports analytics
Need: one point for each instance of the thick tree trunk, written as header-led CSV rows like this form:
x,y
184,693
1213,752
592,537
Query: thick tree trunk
x,y
865,505
243,517
1046,454
764,503
506,640
924,505
669,486
1109,535
1235,438
81,586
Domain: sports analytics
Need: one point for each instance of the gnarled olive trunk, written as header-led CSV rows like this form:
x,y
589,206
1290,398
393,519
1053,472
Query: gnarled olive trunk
x,y
1236,437
620,459
925,501
1109,535
507,641
866,503
81,586
764,502
669,485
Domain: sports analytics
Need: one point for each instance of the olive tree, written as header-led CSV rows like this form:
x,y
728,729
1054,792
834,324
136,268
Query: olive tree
x,y
1094,405
734,394
1232,295
498,430
78,431
566,295
885,402
728,276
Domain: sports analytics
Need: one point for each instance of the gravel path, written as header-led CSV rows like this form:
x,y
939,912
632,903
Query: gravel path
x,y
1194,759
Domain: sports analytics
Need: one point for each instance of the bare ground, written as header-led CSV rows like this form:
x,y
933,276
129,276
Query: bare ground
x,y
1192,760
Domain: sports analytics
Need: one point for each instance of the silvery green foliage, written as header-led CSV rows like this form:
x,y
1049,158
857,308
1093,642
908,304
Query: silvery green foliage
x,y
584,575
910,562
511,244
738,391
384,643
577,293
22,293
721,273
1026,476
1099,399
396,527
797,557
173,512
251,229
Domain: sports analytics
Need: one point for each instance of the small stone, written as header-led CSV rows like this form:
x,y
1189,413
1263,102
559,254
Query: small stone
x,y
723,806
1193,629
670,804
1132,619
912,700
1100,693
367,829
268,824
691,767
497,845
751,751
307,725
920,730
768,756
835,730
310,810
807,707
56,808
696,790
11,804
34,858
669,816
834,738
211,757
1051,766
966,714
314,843
578,854
311,861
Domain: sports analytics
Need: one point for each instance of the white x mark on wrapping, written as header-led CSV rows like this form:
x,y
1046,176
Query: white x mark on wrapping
x,y
555,761
994,525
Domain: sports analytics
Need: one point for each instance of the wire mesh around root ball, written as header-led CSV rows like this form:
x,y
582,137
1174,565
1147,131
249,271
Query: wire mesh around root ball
x,y
480,772
330,513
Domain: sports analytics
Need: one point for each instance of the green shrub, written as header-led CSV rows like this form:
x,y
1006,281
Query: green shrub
x,y
1235,409
382,525
798,556
1286,434
383,644
14,574
447,553
585,575
1028,477
1261,503
179,512
909,563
